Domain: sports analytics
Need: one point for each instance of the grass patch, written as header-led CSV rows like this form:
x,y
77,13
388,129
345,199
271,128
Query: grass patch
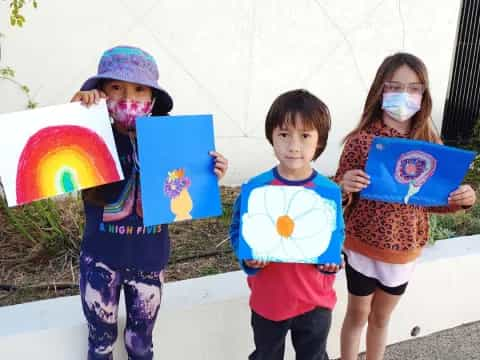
x,y
41,261
473,176
461,223
40,231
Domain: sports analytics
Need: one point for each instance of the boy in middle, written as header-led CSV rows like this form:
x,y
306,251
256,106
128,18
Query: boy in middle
x,y
295,296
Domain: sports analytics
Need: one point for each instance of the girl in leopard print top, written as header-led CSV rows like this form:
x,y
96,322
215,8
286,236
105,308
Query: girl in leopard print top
x,y
384,239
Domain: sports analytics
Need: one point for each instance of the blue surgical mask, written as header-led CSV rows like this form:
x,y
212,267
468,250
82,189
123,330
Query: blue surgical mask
x,y
401,106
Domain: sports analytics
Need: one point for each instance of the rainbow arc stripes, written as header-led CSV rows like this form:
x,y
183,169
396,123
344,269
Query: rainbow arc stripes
x,y
62,159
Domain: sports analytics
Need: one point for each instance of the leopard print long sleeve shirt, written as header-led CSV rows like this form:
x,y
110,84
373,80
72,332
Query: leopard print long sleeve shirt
x,y
388,232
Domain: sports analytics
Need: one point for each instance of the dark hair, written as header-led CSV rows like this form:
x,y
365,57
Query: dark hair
x,y
313,112
160,107
422,125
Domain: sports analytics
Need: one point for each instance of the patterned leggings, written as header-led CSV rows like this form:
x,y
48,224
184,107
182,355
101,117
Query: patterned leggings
x,y
100,292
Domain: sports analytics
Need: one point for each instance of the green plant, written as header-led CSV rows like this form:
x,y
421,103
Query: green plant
x,y
474,142
473,176
227,212
208,270
440,229
38,227
7,73
16,18
44,229
456,224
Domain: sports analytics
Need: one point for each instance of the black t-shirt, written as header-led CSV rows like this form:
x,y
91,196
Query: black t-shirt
x,y
114,233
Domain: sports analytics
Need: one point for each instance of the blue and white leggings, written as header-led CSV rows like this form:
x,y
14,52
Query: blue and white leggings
x,y
100,287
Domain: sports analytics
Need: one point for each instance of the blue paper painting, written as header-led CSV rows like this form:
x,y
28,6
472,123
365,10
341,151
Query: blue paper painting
x,y
176,170
414,172
292,224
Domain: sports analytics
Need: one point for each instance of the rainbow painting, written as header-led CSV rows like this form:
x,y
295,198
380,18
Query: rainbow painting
x,y
49,158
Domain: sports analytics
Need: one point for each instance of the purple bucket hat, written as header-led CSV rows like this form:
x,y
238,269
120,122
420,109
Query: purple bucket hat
x,y
134,65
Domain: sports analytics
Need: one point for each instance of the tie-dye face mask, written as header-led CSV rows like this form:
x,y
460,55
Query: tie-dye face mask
x,y
401,106
125,112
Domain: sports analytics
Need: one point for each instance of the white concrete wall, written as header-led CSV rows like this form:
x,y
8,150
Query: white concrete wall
x,y
208,318
232,58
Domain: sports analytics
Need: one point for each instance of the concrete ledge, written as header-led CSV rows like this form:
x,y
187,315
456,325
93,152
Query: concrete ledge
x,y
208,318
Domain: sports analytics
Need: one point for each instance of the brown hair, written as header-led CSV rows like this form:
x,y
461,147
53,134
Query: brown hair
x,y
422,125
313,111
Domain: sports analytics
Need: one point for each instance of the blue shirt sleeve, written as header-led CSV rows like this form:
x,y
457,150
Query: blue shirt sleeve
x,y
235,235
235,225
340,220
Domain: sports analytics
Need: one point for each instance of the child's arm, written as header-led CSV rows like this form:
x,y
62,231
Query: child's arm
x,y
255,264
461,199
350,174
251,267
464,197
331,268
88,98
221,164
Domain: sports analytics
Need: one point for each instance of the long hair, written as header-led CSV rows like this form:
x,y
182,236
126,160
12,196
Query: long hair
x,y
422,127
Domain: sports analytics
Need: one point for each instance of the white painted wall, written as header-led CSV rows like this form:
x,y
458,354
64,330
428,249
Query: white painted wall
x,y
232,58
208,318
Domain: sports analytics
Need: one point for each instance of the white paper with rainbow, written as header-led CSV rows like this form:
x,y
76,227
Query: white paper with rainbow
x,y
56,150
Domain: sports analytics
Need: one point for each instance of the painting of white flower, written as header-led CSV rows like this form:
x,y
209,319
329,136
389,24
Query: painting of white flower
x,y
288,224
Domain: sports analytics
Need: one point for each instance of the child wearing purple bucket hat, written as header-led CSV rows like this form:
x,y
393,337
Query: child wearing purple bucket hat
x,y
117,250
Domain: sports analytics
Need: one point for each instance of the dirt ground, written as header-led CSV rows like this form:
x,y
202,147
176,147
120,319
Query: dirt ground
x,y
199,248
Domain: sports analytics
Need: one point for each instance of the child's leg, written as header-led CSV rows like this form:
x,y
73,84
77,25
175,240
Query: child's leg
x,y
143,292
269,337
309,334
360,294
100,291
368,300
383,305
358,310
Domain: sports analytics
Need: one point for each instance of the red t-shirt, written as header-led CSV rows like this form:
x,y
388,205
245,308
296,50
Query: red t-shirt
x,y
281,290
